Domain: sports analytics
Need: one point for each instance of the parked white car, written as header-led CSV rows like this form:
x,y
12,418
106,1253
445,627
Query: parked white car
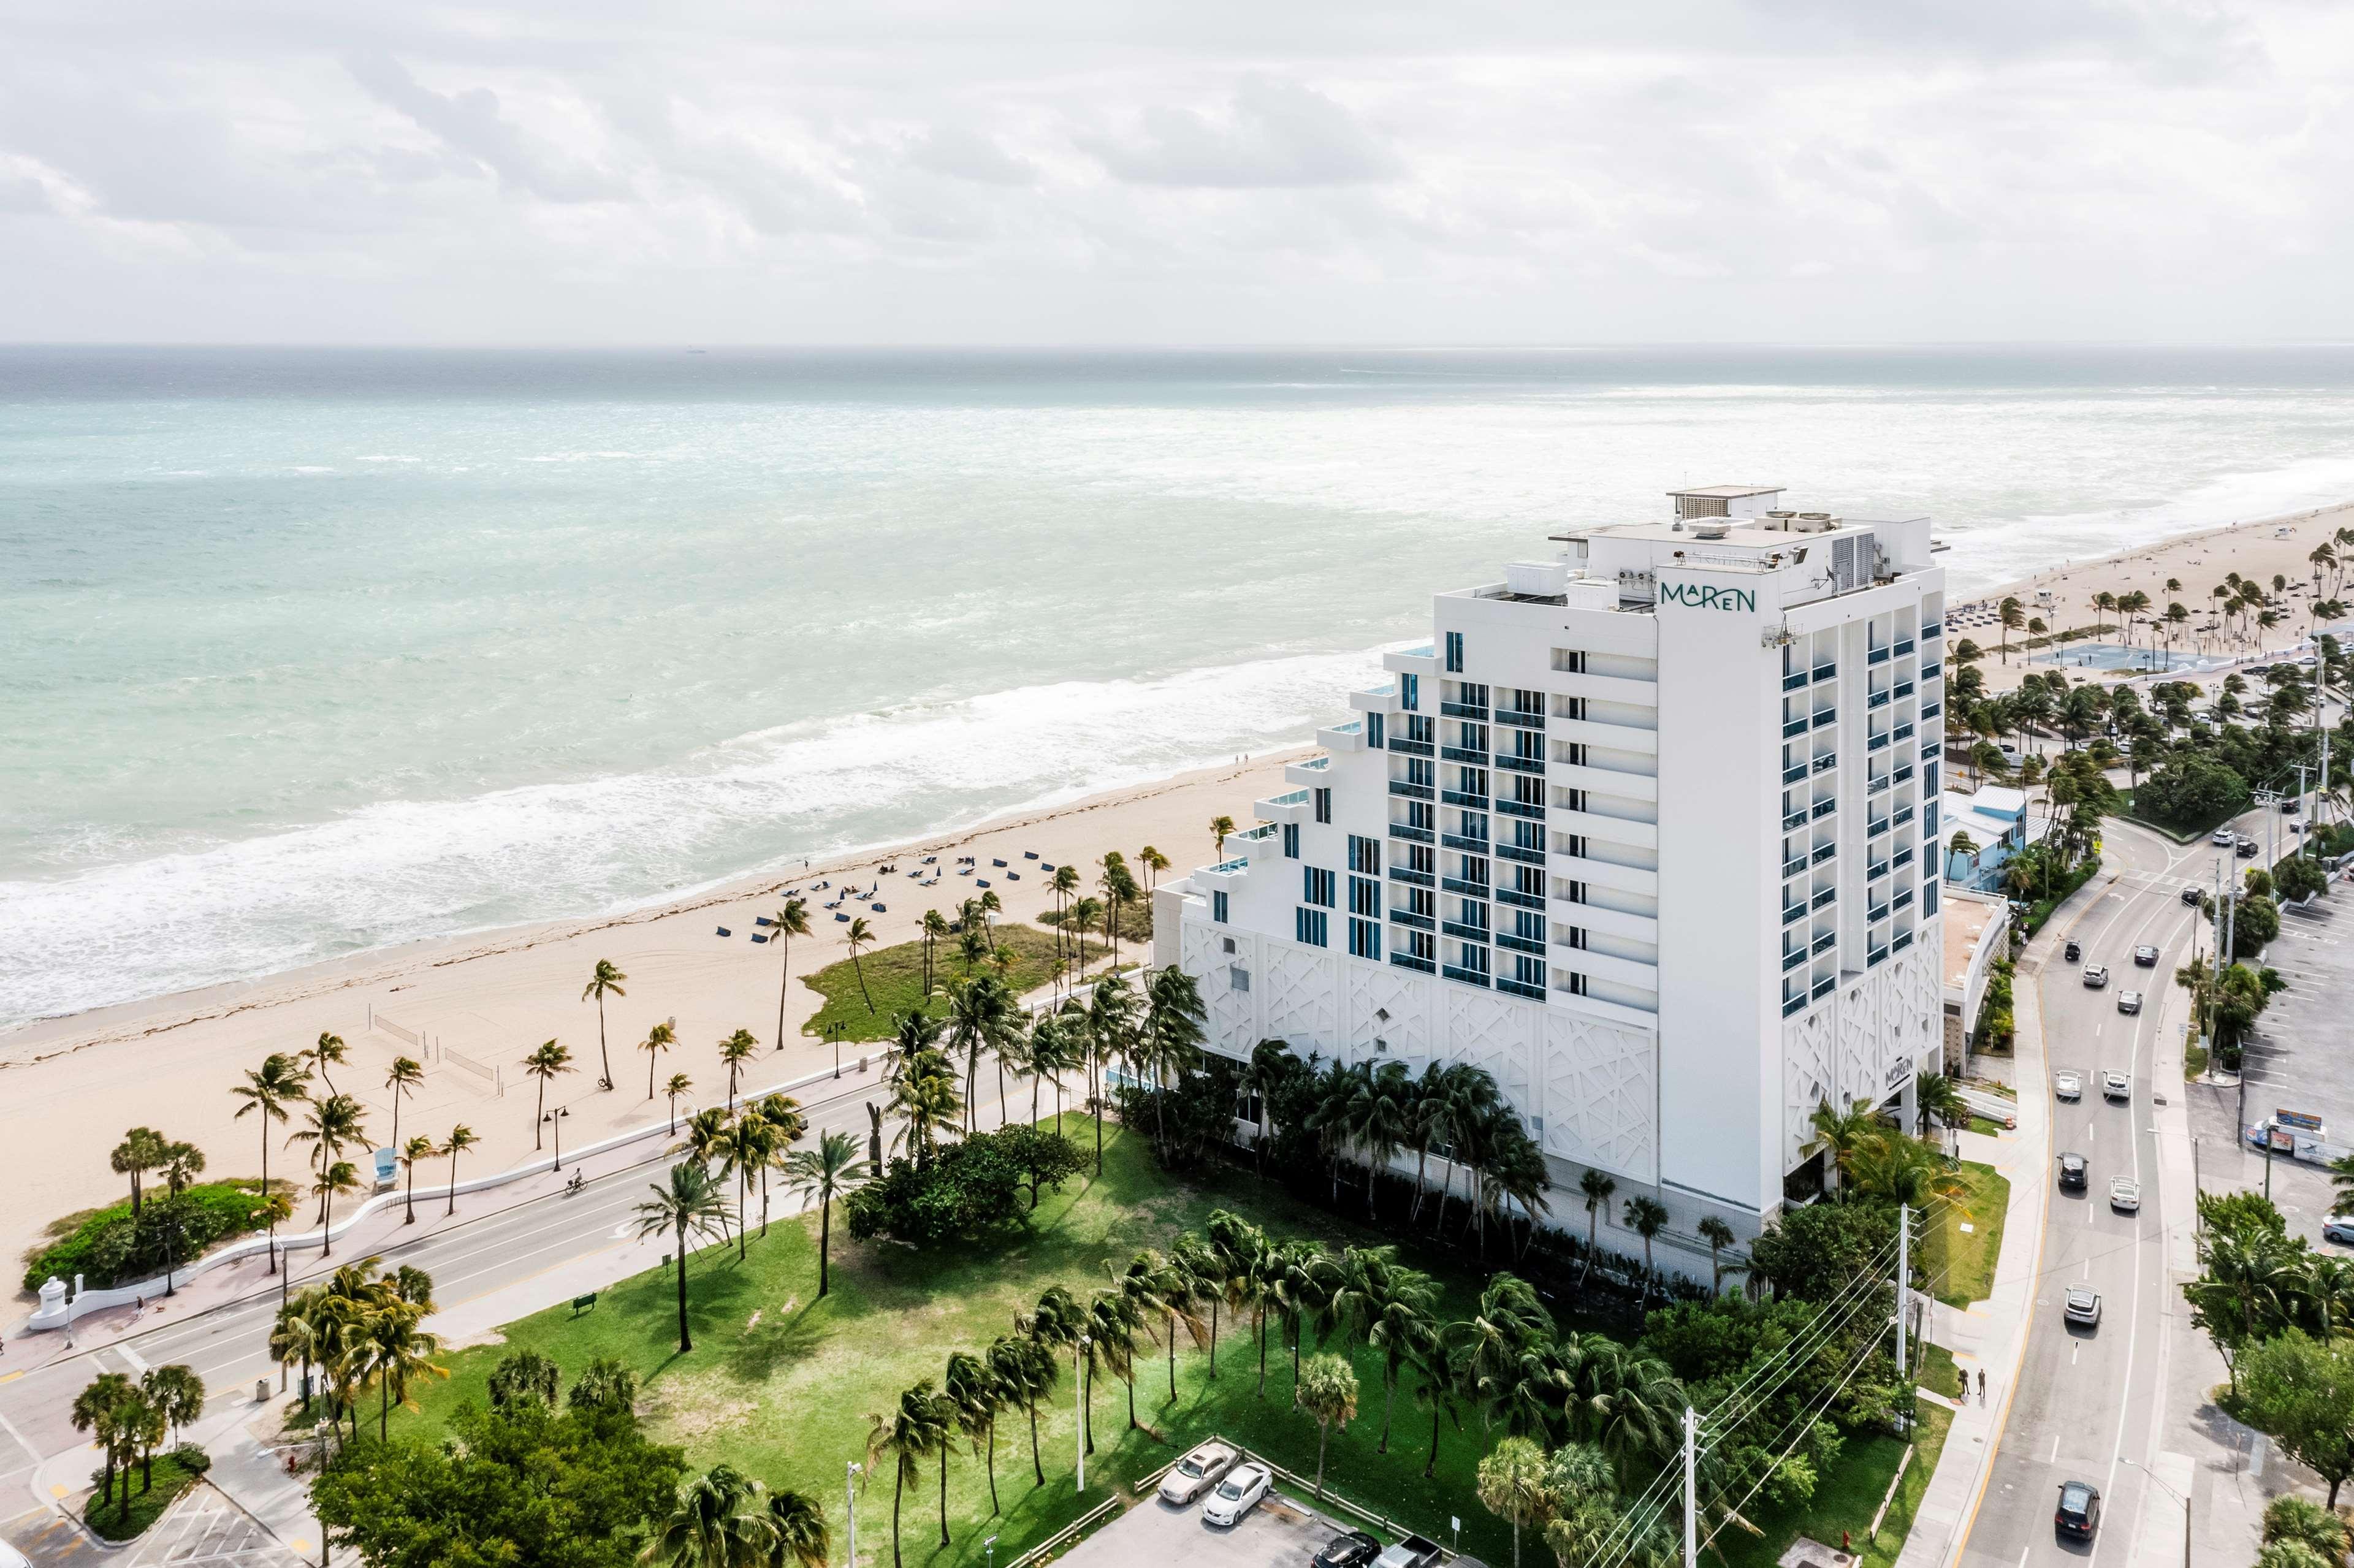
x,y
1235,1496
2068,1085
1194,1474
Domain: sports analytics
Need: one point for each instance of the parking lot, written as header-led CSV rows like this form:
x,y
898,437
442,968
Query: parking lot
x,y
1279,1533
2296,1059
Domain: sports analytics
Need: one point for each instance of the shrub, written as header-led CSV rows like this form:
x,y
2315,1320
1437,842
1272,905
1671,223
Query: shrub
x,y
964,1189
2294,1519
2191,793
193,1459
2255,920
108,1248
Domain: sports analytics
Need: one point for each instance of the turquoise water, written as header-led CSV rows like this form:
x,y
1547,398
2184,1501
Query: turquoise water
x,y
310,652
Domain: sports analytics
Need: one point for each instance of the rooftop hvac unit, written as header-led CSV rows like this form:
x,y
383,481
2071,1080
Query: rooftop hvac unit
x,y
1710,530
1535,579
1843,569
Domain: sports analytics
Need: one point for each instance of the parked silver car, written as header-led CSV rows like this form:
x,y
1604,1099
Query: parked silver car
x,y
1194,1474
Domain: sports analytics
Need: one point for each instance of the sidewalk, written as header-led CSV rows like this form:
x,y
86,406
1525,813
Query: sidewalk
x,y
1990,1335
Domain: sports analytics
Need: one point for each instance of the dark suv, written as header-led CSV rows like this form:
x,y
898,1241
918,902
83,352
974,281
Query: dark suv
x,y
2079,1513
2071,1173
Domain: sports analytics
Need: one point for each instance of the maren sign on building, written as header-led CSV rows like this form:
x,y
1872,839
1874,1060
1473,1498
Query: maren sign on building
x,y
1708,596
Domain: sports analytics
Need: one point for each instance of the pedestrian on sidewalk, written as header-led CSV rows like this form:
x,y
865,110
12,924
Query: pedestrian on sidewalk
x,y
1981,1386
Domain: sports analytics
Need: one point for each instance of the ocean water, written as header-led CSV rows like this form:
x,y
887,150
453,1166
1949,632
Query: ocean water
x,y
303,653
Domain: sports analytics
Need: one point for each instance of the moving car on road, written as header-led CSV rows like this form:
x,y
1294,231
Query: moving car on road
x,y
2223,837
2145,956
2191,894
2247,848
2128,1001
2116,1086
2072,951
2067,1085
2095,976
1194,1474
2079,1513
1354,1550
2125,1194
2072,1173
2082,1307
2340,1230
1235,1496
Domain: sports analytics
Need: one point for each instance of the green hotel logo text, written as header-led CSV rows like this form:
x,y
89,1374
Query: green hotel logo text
x,y
1709,597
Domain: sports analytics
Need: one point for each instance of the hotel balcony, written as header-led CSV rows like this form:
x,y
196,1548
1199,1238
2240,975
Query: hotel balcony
x,y
1294,807
1607,689
1514,897
1316,771
1468,977
1469,889
1349,736
1602,965
1375,699
1411,877
1463,710
1523,720
1461,932
1611,922
1607,873
1464,798
1523,853
1408,961
1469,845
1412,834
1512,764
1514,988
1408,917
1596,732
1520,809
1604,780
1595,825
1408,791
1422,660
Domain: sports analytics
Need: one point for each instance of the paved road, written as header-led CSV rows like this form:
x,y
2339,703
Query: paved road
x,y
229,1347
2091,1404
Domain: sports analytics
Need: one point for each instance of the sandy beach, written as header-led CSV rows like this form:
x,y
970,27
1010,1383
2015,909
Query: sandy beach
x,y
2259,550
71,1086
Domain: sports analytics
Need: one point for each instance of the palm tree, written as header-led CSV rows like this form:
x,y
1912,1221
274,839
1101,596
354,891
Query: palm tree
x,y
1627,1404
861,937
267,1091
679,1084
462,1138
1026,1371
1171,1041
659,1039
1081,913
329,1052
1111,1032
972,1392
1154,1286
333,1180
143,1149
1837,1133
715,1522
1271,1062
99,1410
413,1153
544,1063
334,1125
1719,1236
1400,1319
1328,1392
1220,826
798,1537
734,1052
690,1204
402,1080
982,1013
2014,616
1431,1359
935,927
606,979
832,1168
1512,1486
1941,1098
751,1145
920,1426
1646,1217
177,1392
786,923
395,1351
1597,1189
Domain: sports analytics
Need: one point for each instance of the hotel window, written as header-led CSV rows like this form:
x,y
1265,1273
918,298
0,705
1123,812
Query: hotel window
x,y
1527,835
1528,790
1528,744
1471,736
1569,661
1421,945
1421,771
1528,881
1928,779
1421,858
1364,939
1455,652
1291,841
1364,854
1418,814
1374,731
1309,926
1471,955
1527,702
1419,729
1570,892
1316,885
1470,781
1529,969
1928,899
1323,800
1570,982
1471,912
1409,695
1528,926
1237,978
1929,822
1365,897
1218,907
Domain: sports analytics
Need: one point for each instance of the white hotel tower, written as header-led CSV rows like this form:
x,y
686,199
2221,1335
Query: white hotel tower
x,y
1649,832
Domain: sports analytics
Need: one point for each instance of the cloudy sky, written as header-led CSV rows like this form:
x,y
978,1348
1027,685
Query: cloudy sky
x,y
1187,172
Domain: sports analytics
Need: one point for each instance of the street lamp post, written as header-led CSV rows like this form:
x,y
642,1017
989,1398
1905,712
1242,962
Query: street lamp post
x,y
1080,1391
836,1030
850,1494
2178,1496
555,1118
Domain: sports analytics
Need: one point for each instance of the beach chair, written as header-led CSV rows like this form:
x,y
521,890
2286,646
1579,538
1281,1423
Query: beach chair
x,y
760,920
997,863
842,920
726,932
758,938
1049,865
981,881
1029,854
880,908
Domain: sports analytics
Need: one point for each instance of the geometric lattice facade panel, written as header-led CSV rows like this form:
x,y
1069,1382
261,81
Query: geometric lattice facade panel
x,y
1586,1088
1875,1032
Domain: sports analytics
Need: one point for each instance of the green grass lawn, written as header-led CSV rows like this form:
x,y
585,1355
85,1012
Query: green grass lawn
x,y
895,982
1846,1499
1135,924
1966,1262
1936,1372
171,1479
782,1384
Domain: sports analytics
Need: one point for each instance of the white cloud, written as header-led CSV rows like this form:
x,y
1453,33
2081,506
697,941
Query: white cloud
x,y
1054,170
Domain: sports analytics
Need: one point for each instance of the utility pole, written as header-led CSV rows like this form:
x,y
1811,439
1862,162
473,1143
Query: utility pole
x,y
850,1495
1691,1488
1080,1388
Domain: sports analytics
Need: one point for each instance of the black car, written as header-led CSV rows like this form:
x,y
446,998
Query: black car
x,y
2248,848
2079,1513
2145,956
2071,1173
2190,896
1354,1550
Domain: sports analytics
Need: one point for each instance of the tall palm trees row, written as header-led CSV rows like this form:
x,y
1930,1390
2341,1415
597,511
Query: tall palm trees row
x,y
359,1330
